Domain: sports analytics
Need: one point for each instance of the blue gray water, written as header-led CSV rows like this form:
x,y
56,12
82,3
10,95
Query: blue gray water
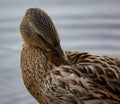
x,y
85,25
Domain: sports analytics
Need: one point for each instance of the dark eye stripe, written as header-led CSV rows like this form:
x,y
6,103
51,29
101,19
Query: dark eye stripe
x,y
44,25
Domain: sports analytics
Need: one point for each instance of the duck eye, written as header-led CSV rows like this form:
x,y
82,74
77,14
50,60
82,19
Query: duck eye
x,y
39,36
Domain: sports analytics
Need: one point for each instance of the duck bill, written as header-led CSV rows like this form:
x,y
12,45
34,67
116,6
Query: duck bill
x,y
58,52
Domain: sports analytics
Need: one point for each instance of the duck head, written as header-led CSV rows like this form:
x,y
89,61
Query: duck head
x,y
37,29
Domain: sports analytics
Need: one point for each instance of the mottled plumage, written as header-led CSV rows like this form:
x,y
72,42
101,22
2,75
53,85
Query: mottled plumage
x,y
56,77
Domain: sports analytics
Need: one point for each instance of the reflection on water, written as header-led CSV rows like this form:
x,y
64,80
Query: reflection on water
x,y
82,25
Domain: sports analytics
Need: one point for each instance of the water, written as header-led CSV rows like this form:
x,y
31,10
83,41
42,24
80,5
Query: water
x,y
92,26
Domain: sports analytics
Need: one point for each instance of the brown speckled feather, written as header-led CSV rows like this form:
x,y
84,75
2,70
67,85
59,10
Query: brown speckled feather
x,y
56,77
90,80
95,81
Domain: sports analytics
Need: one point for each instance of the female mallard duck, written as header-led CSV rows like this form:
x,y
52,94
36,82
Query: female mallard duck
x,y
54,76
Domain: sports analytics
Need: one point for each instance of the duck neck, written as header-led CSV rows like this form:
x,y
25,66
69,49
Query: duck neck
x,y
34,58
41,58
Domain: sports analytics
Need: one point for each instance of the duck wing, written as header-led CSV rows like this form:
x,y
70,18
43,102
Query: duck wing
x,y
91,79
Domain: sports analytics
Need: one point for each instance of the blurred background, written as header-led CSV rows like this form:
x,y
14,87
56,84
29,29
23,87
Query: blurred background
x,y
85,25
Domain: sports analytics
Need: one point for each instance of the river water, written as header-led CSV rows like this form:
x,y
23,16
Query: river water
x,y
85,25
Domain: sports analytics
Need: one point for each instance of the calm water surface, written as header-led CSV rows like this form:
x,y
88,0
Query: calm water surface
x,y
92,26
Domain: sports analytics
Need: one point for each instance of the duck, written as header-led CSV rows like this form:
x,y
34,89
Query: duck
x,y
55,76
